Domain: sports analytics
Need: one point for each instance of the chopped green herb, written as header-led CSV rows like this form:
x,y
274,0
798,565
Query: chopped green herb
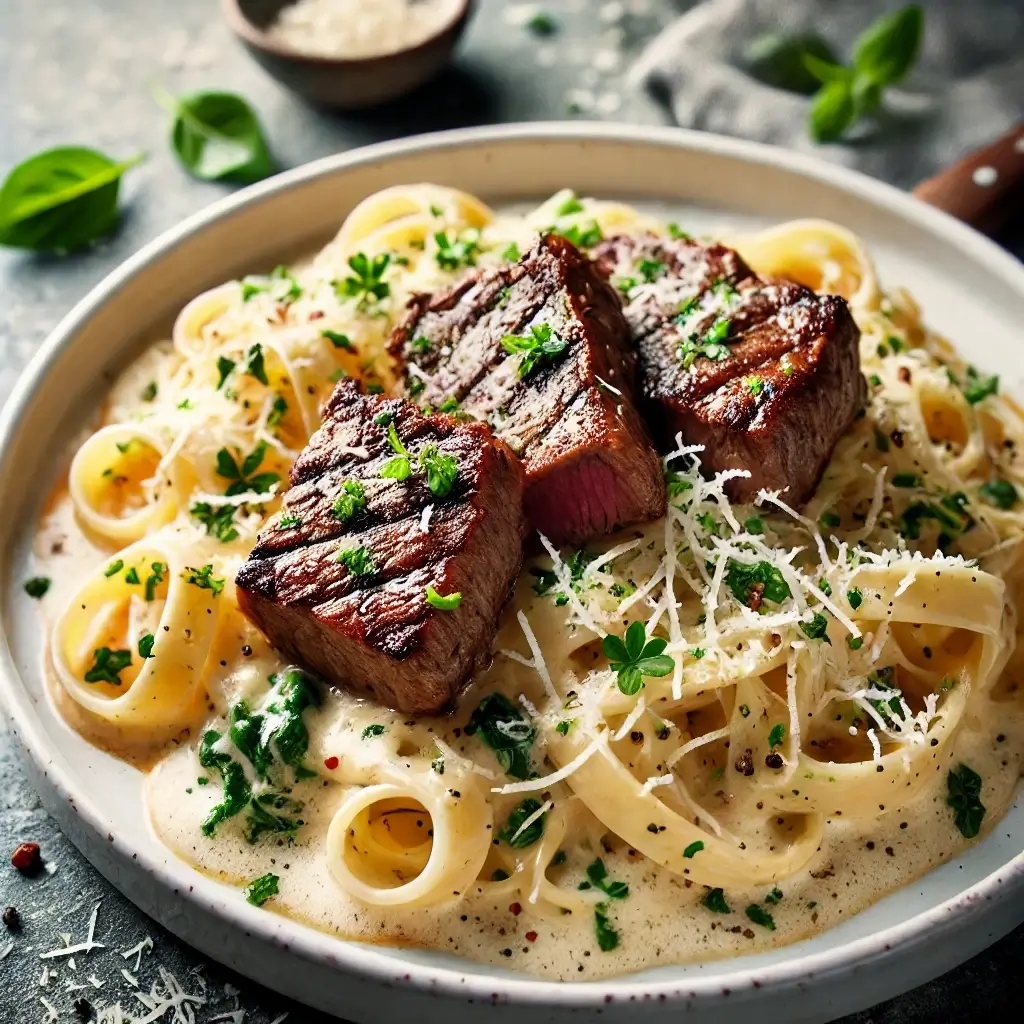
x,y
676,484
676,232
108,665
964,796
503,727
224,368
714,900
693,849
288,522
259,890
761,578
652,270
338,340
366,283
855,643
816,629
539,348
754,385
442,470
400,467
373,730
745,710
829,519
563,727
115,567
1000,493
203,579
254,365
351,501
777,736
132,576
977,388
697,653
607,936
775,896
906,480
760,916
511,253
458,252
146,642
855,597
277,411
597,875
358,561
149,392
154,580
754,525
513,833
636,656
219,521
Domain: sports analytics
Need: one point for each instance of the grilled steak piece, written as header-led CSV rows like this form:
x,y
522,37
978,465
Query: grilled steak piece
x,y
338,579
765,375
562,397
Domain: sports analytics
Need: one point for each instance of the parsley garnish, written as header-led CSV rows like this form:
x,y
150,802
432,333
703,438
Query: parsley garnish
x,y
253,365
607,936
288,522
399,468
108,665
777,736
693,849
775,896
146,642
651,270
366,284
224,368
676,484
154,579
149,392
964,786
446,602
203,579
597,875
976,387
513,833
511,253
829,519
539,348
277,411
358,561
503,727
259,890
115,567
714,900
636,657
458,252
855,597
760,916
441,470
760,578
219,521
906,480
338,340
1000,493
351,501
373,730
242,477
563,727
37,586
816,629
754,525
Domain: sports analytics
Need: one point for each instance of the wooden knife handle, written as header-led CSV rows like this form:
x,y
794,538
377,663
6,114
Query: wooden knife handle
x,y
986,188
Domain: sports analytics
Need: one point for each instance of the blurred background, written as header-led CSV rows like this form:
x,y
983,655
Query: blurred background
x,y
86,72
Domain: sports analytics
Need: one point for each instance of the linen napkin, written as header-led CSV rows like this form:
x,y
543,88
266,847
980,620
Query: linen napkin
x,y
966,88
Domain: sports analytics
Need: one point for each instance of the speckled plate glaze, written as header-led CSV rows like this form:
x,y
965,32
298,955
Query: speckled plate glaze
x,y
968,287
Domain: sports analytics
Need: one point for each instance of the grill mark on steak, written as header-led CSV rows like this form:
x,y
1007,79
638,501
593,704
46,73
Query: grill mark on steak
x,y
375,633
765,375
572,420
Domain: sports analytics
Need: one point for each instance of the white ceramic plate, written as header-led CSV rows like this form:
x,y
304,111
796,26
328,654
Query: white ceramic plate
x,y
968,287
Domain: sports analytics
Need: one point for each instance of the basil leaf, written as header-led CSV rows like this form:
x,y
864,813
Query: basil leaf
x,y
832,112
61,200
887,49
218,137
779,61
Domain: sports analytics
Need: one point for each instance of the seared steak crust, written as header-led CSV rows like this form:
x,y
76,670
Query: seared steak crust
x,y
590,465
366,626
765,375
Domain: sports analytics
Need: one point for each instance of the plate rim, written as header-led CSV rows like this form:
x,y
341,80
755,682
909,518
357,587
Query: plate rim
x,y
340,955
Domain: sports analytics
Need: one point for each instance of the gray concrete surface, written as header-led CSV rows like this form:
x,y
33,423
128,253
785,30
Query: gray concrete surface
x,y
81,71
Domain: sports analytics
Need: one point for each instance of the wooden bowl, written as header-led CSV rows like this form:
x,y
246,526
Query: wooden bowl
x,y
338,82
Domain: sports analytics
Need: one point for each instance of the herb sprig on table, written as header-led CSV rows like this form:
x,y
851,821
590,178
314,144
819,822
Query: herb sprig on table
x,y
882,56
